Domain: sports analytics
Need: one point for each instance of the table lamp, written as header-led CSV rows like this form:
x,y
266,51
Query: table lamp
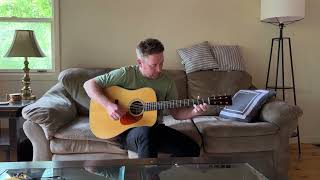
x,y
25,45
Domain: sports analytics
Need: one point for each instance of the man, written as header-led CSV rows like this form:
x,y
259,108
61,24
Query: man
x,y
147,141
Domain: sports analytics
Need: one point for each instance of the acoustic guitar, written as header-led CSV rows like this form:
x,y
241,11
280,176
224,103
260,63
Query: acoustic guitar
x,y
141,105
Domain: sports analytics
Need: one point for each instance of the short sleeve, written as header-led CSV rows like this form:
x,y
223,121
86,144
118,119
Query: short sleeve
x,y
113,78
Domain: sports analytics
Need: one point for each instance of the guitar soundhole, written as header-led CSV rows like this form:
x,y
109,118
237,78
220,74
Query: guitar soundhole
x,y
136,108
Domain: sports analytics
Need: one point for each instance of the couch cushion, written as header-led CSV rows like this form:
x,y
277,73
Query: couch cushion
x,y
240,144
66,146
180,79
223,136
79,129
210,83
184,126
73,80
88,156
219,127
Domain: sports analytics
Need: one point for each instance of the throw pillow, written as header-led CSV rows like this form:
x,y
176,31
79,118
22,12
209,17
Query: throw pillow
x,y
198,57
228,57
246,105
73,80
52,111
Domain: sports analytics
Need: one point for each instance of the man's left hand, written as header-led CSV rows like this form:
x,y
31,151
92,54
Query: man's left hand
x,y
200,109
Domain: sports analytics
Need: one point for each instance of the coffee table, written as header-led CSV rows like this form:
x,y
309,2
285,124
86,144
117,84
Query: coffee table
x,y
133,169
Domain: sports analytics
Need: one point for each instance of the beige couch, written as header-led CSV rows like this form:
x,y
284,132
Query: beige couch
x,y
57,124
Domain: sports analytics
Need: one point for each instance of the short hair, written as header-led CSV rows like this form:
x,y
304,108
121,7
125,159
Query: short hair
x,y
149,46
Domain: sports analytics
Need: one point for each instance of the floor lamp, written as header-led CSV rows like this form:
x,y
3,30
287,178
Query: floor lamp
x,y
282,13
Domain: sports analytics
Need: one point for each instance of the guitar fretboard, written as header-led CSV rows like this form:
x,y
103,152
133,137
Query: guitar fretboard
x,y
160,105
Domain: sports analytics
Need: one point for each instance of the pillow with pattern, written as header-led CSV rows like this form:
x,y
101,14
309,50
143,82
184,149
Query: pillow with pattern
x,y
198,57
228,57
246,105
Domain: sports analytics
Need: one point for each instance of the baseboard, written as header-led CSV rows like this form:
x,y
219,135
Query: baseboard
x,y
312,140
309,140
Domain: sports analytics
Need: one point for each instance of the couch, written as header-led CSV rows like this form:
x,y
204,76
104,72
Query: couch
x,y
58,124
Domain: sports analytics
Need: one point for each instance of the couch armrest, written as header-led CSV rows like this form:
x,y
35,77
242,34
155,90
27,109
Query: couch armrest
x,y
284,116
52,111
281,114
40,144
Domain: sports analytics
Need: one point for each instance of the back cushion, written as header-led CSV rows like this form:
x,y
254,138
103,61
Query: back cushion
x,y
180,78
73,80
216,83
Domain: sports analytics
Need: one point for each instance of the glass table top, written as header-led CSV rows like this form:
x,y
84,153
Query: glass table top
x,y
147,169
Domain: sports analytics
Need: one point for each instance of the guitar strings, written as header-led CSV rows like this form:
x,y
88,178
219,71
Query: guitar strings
x,y
165,103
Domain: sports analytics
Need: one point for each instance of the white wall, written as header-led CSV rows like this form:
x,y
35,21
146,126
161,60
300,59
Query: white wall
x,y
104,33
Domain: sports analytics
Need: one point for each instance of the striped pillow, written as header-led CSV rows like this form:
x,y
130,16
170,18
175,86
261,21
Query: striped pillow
x,y
198,57
229,57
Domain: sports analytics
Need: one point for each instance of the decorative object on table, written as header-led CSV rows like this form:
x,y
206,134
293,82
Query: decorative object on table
x,y
25,45
4,102
246,105
13,97
282,13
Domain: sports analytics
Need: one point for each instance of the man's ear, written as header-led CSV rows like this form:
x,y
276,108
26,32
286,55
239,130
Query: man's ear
x,y
139,61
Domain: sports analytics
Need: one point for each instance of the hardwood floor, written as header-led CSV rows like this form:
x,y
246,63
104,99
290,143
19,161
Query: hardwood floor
x,y
305,168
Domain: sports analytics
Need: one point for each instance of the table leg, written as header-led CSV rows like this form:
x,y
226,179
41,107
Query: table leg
x,y
13,134
8,155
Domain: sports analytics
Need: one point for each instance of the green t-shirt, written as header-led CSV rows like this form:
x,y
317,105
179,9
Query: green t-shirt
x,y
130,77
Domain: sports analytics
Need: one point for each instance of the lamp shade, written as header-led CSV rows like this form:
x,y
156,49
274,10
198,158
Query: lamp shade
x,y
24,45
282,11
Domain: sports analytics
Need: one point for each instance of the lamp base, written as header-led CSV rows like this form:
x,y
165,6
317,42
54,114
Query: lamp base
x,y
26,91
31,97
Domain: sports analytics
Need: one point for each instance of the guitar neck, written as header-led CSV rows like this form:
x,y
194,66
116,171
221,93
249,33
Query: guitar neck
x,y
160,105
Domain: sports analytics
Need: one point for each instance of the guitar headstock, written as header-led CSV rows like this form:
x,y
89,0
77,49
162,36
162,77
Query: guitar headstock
x,y
220,100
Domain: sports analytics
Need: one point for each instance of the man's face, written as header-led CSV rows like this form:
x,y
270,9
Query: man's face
x,y
151,66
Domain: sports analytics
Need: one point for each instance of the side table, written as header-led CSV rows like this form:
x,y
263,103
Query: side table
x,y
8,137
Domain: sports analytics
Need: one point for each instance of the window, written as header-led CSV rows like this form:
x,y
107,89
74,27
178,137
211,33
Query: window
x,y
36,15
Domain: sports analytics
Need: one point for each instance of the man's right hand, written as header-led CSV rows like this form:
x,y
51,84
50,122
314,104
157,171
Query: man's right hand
x,y
95,92
115,111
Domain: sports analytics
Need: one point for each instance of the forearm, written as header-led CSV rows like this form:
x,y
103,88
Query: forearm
x,y
95,92
183,113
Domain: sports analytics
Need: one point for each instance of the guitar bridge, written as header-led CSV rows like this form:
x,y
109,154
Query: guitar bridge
x,y
128,119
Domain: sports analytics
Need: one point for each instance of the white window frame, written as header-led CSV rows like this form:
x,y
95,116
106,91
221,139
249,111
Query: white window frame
x,y
55,40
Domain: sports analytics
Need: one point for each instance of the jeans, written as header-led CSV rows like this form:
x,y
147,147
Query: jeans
x,y
148,141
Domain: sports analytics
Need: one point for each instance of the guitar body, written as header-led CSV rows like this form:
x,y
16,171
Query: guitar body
x,y
104,127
